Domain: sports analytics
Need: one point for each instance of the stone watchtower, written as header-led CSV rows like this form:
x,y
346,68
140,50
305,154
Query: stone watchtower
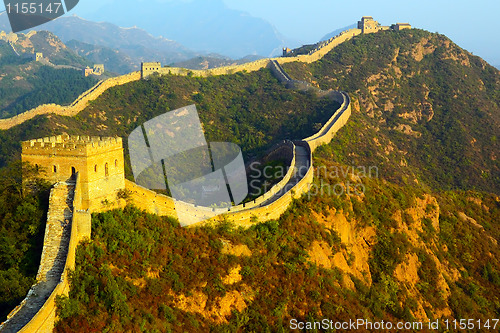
x,y
37,56
368,25
98,161
148,68
98,69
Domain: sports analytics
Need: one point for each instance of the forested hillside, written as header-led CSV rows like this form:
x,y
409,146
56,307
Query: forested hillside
x,y
414,240
430,111
22,226
395,245
253,110
392,254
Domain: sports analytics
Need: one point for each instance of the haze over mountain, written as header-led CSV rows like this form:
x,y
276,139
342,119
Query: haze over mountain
x,y
120,49
199,25
337,31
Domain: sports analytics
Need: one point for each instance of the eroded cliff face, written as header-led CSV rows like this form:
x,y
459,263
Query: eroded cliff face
x,y
420,226
391,254
354,255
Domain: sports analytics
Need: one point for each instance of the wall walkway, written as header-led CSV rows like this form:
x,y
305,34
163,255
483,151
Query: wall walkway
x,y
253,66
93,93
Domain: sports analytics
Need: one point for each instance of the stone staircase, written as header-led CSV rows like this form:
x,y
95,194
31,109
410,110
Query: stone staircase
x,y
55,250
57,232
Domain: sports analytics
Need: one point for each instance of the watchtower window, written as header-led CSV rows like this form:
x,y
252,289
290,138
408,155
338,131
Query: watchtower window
x,y
55,168
106,171
116,163
95,168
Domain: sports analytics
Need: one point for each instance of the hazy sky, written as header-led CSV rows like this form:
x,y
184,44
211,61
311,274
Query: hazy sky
x,y
473,25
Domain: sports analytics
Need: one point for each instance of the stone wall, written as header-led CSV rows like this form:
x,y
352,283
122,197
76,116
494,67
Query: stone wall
x,y
162,205
80,228
339,118
248,217
245,215
253,66
278,72
280,151
99,162
150,201
276,187
82,101
77,106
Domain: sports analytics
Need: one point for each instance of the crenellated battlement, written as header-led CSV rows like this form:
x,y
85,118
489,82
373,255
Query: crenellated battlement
x,y
66,145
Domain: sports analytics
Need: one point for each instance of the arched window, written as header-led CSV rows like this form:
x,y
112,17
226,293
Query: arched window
x,y
95,168
55,168
73,171
106,170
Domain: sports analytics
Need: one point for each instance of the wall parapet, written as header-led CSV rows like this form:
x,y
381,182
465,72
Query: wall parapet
x,y
71,145
244,215
276,188
326,133
262,208
253,66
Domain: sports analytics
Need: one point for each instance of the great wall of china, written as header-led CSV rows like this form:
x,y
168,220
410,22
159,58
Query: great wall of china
x,y
69,220
82,101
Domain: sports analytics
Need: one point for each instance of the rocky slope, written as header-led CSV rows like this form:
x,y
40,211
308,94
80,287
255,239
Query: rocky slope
x,y
429,110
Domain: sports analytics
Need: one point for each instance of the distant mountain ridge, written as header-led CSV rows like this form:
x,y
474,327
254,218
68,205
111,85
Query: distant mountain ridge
x,y
121,50
199,25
